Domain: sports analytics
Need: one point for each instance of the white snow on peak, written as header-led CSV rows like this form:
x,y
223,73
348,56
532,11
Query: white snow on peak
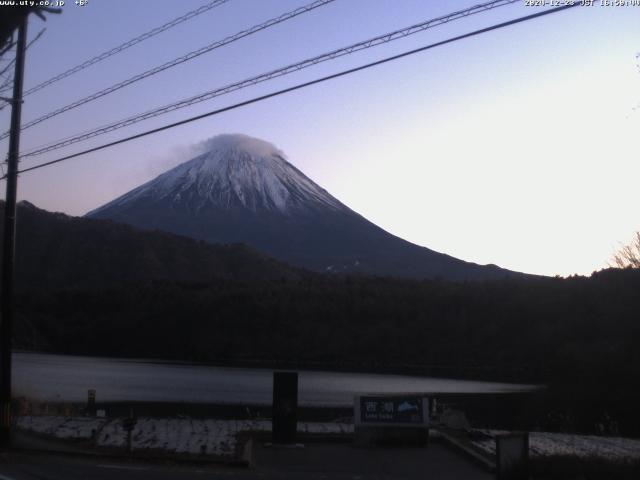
x,y
235,170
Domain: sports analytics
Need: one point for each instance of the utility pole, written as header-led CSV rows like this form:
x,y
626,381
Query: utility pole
x,y
9,242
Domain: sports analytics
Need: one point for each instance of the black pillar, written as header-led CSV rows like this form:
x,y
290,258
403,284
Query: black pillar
x,y
8,247
91,402
285,407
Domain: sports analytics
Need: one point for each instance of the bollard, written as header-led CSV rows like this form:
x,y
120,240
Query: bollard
x,y
128,424
512,456
91,402
285,408
25,406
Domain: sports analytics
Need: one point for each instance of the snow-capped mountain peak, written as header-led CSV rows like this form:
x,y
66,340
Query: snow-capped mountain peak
x,y
241,189
235,171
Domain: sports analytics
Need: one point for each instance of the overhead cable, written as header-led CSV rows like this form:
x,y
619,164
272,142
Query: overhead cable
x,y
127,44
300,86
176,61
372,42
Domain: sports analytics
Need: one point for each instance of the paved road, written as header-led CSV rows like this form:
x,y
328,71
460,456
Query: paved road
x,y
315,462
344,461
21,466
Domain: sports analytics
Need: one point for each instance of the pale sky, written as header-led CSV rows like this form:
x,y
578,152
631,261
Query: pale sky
x,y
518,147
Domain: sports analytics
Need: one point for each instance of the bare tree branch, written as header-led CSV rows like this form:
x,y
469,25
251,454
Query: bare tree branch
x,y
6,85
7,47
629,255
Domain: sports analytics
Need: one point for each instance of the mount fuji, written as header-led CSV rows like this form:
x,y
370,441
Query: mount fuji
x,y
244,190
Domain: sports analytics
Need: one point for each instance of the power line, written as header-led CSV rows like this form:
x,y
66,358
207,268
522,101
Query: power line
x,y
127,44
6,68
372,42
8,46
177,61
301,85
12,61
9,83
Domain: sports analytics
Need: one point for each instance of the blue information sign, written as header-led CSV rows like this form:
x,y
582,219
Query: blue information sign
x,y
386,409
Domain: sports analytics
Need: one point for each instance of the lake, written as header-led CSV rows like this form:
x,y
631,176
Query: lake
x,y
67,378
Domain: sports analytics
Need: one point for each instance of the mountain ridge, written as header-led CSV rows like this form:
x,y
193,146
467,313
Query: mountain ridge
x,y
244,190
55,250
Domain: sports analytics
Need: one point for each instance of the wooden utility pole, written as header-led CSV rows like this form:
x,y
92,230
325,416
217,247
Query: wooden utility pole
x,y
9,241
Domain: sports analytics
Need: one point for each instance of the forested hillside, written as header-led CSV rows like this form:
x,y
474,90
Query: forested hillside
x,y
54,250
95,287
579,335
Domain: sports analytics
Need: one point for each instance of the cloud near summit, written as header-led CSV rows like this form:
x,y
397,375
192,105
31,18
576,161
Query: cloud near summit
x,y
238,141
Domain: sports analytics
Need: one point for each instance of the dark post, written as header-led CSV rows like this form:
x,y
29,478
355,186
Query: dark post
x,y
128,424
91,402
9,242
512,456
285,407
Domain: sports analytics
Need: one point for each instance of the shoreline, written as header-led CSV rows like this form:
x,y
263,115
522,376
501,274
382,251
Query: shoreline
x,y
484,410
479,374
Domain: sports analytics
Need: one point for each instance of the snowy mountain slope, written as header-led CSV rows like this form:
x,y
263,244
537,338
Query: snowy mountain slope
x,y
244,190
238,172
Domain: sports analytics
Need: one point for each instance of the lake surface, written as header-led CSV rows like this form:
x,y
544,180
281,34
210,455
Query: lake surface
x,y
67,378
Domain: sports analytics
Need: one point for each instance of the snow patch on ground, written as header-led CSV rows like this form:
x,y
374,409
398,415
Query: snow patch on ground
x,y
173,435
544,444
220,437
78,428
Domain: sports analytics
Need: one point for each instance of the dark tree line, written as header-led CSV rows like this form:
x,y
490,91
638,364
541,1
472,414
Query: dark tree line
x,y
579,335
100,288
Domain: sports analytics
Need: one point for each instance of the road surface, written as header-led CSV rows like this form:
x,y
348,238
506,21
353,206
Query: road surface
x,y
315,461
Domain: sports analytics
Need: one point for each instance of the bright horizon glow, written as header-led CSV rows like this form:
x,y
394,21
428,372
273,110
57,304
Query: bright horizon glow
x,y
517,147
